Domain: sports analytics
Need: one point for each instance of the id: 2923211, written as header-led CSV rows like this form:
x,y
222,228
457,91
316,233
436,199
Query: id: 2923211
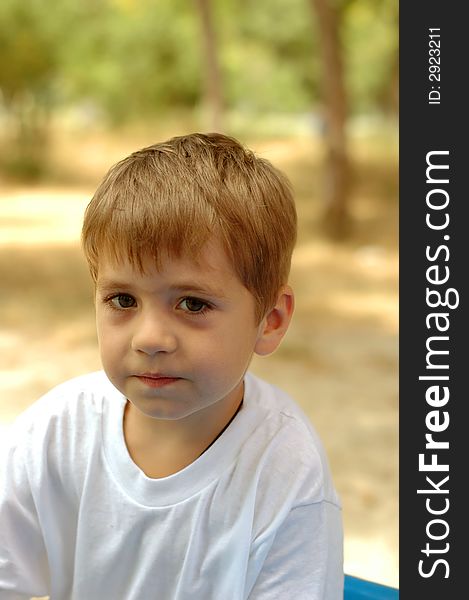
x,y
434,74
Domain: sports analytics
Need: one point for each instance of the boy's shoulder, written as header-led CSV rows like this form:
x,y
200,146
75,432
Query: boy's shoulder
x,y
77,399
277,405
59,430
290,442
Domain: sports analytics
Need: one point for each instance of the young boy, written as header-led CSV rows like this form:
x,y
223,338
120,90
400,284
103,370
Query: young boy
x,y
175,473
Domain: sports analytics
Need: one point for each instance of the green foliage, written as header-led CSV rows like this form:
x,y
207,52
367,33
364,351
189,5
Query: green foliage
x,y
28,55
370,44
30,47
269,56
132,59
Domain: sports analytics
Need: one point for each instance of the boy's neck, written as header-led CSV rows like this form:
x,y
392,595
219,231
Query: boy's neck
x,y
163,447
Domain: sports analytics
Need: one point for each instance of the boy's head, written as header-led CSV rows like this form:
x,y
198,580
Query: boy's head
x,y
170,199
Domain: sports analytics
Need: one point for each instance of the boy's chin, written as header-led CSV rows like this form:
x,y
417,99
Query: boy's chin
x,y
161,411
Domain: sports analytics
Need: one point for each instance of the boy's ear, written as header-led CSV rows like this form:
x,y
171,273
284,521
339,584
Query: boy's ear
x,y
275,324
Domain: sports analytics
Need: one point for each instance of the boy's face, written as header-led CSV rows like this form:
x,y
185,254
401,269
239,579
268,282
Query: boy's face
x,y
177,340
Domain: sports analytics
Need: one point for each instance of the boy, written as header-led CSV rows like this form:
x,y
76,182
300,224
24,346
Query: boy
x,y
175,473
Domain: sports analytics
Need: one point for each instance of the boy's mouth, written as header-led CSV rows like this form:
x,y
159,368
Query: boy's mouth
x,y
156,379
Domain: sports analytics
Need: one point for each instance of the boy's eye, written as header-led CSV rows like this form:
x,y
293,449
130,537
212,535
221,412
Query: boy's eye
x,y
122,301
193,305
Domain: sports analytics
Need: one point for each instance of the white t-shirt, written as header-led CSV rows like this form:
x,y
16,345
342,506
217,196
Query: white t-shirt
x,y
256,516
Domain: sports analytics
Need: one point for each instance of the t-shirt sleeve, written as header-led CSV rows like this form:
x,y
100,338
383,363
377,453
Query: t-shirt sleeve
x,y
305,560
23,558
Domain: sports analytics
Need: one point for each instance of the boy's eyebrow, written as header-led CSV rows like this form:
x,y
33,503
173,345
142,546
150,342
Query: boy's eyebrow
x,y
191,286
110,284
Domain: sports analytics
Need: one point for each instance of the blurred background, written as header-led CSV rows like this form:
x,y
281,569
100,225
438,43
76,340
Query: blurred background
x,y
311,85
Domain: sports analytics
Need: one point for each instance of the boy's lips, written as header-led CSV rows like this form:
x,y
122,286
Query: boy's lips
x,y
156,379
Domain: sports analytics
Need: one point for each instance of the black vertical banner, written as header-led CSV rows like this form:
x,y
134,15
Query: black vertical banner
x,y
434,268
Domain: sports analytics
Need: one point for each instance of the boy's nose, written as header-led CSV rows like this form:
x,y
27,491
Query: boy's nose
x,y
153,335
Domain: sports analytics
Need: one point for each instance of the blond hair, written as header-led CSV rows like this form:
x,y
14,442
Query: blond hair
x,y
173,196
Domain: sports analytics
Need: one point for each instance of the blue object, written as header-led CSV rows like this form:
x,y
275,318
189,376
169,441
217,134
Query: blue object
x,y
356,588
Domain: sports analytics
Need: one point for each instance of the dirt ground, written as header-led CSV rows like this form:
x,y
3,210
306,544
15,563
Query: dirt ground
x,y
339,359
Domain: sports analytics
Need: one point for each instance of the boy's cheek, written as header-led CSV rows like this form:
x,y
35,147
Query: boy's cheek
x,y
108,340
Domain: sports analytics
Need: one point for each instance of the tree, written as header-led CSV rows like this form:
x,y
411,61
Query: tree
x,y
213,84
337,167
27,68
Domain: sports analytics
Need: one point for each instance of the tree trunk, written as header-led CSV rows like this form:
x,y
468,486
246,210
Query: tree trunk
x,y
337,167
26,134
213,85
